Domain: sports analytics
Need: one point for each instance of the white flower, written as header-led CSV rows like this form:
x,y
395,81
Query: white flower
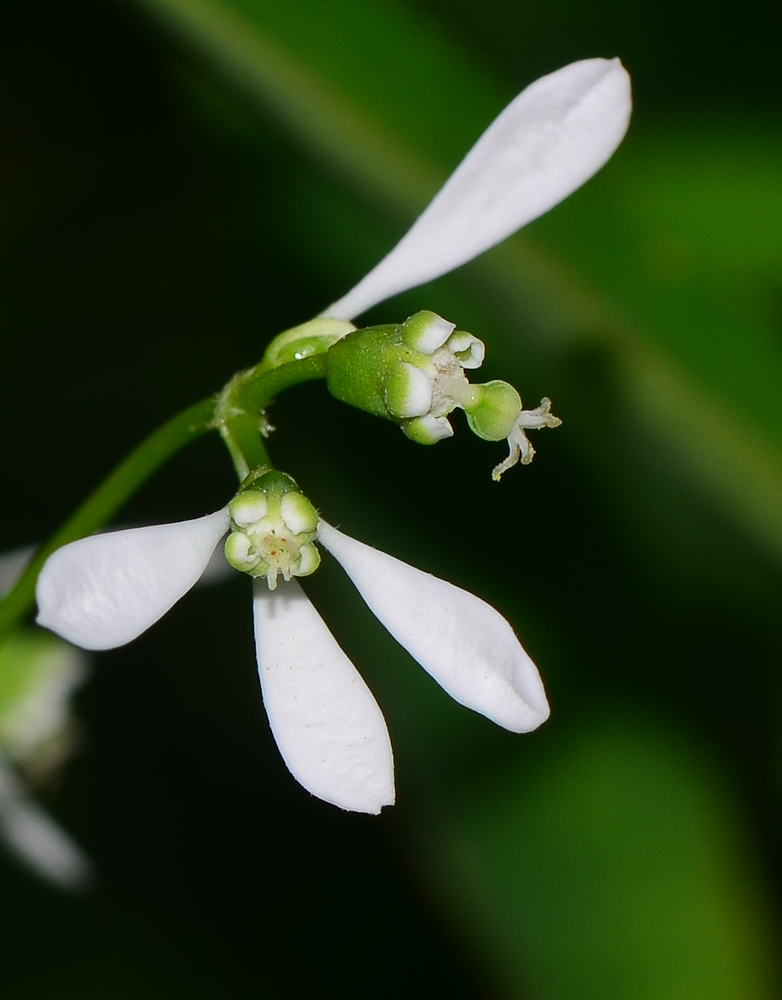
x,y
103,591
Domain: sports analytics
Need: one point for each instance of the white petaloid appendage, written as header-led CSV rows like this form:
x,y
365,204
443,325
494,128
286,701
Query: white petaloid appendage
x,y
467,646
546,143
30,833
422,394
326,723
103,591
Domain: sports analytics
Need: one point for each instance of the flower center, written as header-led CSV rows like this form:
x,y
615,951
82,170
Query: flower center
x,y
273,530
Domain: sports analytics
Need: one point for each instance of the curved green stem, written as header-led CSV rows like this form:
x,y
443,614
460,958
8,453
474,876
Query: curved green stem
x,y
240,406
106,500
237,413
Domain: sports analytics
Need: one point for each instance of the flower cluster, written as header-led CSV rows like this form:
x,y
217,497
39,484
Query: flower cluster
x,y
105,590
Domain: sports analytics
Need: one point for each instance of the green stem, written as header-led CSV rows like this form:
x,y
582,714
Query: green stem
x,y
107,499
242,402
236,413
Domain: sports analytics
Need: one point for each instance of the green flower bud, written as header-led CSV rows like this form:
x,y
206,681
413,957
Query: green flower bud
x,y
411,373
359,365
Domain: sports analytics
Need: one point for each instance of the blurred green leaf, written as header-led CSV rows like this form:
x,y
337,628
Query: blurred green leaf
x,y
28,659
685,235
358,108
613,866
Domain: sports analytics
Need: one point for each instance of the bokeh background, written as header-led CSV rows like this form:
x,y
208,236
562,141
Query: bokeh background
x,y
182,179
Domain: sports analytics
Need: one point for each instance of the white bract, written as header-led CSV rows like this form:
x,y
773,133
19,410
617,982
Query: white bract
x,y
548,142
328,726
103,591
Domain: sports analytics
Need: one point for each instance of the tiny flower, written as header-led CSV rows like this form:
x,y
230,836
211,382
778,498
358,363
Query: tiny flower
x,y
497,413
328,726
274,528
414,374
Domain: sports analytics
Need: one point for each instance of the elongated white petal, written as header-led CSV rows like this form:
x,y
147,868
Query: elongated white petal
x,y
103,591
465,644
30,833
551,139
328,727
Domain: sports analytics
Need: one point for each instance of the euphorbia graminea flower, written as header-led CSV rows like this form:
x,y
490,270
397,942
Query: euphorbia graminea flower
x,y
103,591
413,373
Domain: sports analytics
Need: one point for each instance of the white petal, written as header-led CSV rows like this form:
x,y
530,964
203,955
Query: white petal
x,y
103,591
35,837
465,644
551,139
328,727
